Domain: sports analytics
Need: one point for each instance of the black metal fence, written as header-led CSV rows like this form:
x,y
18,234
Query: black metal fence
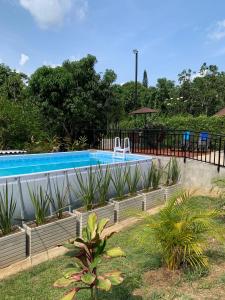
x,y
201,146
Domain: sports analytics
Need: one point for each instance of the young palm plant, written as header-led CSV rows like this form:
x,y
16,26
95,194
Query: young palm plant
x,y
41,203
119,180
103,183
182,231
7,209
133,180
87,188
90,252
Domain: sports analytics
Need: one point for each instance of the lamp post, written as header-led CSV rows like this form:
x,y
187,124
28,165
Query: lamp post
x,y
135,51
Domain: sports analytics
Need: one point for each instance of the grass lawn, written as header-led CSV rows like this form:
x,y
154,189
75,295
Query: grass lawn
x,y
145,277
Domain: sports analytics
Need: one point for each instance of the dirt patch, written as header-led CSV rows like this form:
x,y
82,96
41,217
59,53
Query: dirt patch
x,y
174,285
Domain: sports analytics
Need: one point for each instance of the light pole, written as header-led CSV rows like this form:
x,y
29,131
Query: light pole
x,y
135,51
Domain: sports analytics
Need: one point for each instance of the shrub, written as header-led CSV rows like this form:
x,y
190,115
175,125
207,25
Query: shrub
x,y
152,177
90,252
7,209
182,231
61,200
119,180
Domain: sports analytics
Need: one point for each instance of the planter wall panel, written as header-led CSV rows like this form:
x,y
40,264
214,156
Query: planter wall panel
x,y
12,248
153,199
171,190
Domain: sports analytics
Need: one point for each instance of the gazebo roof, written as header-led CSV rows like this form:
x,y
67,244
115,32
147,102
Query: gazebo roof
x,y
221,112
143,110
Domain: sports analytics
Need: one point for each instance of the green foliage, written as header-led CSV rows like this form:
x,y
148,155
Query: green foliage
x,y
145,79
182,231
152,177
103,183
41,203
133,180
7,209
79,144
119,180
90,252
87,187
172,171
60,201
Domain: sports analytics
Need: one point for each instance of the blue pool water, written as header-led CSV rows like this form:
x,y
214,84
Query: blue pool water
x,y
35,163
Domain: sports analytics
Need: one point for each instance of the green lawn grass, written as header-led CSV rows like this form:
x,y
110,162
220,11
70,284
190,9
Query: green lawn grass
x,y
145,278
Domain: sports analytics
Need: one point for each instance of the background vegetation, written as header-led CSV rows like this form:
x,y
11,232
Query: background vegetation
x,y
57,104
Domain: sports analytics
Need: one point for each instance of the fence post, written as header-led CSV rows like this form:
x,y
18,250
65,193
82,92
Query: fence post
x,y
185,146
218,166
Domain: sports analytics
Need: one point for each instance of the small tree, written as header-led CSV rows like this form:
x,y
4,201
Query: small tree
x,y
145,79
90,253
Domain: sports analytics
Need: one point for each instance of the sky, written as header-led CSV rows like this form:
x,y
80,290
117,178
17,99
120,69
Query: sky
x,y
170,35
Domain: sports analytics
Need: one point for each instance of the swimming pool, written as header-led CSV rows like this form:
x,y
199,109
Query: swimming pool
x,y
38,163
28,172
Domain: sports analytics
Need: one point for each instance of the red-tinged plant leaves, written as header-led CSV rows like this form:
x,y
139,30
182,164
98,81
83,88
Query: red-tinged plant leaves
x,y
92,224
95,262
76,277
88,278
103,283
114,277
71,271
71,295
63,282
108,236
101,225
115,252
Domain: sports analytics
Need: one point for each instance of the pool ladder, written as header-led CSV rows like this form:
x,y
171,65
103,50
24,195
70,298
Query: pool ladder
x,y
117,147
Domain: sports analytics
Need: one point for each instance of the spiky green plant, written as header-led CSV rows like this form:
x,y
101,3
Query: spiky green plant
x,y
7,209
172,171
133,180
60,201
119,180
90,252
182,231
40,200
151,178
87,187
103,183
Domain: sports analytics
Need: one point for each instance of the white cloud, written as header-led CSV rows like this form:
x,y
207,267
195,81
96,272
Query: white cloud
x,y
48,13
50,64
23,59
218,31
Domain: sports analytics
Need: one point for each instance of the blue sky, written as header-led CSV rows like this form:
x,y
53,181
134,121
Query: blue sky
x,y
170,35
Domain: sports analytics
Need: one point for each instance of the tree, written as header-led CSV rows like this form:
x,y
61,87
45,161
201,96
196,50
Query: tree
x,y
145,79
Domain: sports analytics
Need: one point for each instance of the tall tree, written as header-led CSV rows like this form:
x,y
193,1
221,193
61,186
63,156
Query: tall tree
x,y
145,79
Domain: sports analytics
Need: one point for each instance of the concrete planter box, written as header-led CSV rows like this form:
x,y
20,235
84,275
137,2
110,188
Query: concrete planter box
x,y
124,208
101,212
12,248
50,235
153,198
172,189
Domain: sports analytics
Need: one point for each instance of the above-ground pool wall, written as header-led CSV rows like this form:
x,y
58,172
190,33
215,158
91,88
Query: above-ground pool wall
x,y
195,174
65,180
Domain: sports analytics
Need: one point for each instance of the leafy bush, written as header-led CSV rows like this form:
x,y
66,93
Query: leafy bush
x,y
182,231
90,251
119,180
152,177
7,209
61,200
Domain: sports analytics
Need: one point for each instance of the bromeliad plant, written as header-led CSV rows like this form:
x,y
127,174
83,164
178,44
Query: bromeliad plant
x,y
87,187
103,183
133,180
90,253
7,209
41,203
172,172
119,180
182,231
